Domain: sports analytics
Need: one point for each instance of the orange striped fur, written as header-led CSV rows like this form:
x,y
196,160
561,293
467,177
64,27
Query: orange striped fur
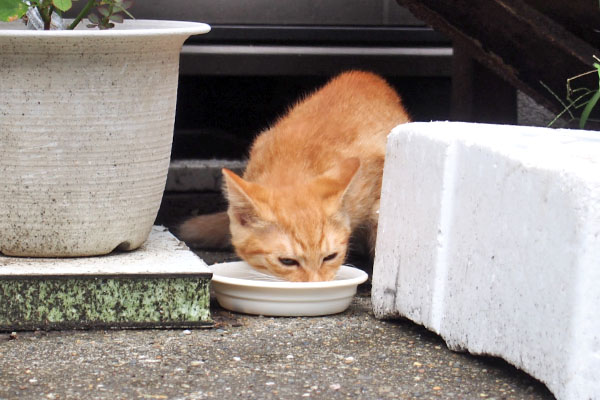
x,y
312,179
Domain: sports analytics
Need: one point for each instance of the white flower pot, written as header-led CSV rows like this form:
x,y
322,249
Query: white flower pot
x,y
86,126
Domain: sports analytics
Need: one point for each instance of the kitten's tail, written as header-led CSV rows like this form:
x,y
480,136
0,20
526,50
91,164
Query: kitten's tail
x,y
210,231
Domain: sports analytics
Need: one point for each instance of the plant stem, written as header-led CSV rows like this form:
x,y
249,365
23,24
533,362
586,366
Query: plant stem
x,y
48,22
82,14
43,8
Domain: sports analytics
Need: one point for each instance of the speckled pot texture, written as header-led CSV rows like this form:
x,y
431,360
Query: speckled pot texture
x,y
86,126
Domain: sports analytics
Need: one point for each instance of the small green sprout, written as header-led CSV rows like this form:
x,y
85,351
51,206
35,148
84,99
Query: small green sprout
x,y
579,98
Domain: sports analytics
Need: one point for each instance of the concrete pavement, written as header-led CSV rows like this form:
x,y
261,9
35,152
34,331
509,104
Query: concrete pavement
x,y
347,356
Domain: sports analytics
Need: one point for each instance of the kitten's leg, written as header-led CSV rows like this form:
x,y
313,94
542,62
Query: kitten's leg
x,y
371,229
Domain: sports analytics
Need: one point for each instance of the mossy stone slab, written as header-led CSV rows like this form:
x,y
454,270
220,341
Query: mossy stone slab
x,y
162,284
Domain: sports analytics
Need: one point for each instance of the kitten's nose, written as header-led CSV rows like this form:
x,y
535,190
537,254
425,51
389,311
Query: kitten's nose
x,y
313,276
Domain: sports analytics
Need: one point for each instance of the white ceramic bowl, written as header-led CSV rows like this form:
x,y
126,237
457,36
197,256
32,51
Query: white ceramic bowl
x,y
238,287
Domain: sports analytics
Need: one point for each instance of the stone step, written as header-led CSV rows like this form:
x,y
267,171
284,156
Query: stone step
x,y
489,235
162,284
199,175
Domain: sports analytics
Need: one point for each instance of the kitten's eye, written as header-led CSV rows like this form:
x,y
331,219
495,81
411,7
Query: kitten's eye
x,y
330,257
288,262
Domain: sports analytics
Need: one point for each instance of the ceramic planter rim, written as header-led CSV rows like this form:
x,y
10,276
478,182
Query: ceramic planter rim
x,y
130,28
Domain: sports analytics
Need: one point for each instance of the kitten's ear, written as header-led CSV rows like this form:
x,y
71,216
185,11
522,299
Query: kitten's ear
x,y
244,197
332,185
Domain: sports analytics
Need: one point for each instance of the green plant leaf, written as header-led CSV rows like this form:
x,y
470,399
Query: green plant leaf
x,y
11,10
116,18
104,11
123,5
62,5
94,19
585,115
588,109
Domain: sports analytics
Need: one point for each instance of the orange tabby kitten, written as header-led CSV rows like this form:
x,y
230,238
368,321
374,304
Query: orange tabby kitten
x,y
311,180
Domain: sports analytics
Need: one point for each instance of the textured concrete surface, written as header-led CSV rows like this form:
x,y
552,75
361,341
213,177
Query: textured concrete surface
x,y
351,355
161,284
490,236
346,356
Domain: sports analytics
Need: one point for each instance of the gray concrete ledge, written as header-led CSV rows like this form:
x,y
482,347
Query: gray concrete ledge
x,y
199,175
162,284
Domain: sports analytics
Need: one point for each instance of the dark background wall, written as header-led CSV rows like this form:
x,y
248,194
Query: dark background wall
x,y
218,117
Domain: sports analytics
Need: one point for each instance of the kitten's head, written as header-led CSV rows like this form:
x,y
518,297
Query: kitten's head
x,y
299,232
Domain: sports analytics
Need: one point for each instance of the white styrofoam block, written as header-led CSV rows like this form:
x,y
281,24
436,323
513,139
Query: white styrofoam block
x,y
489,235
